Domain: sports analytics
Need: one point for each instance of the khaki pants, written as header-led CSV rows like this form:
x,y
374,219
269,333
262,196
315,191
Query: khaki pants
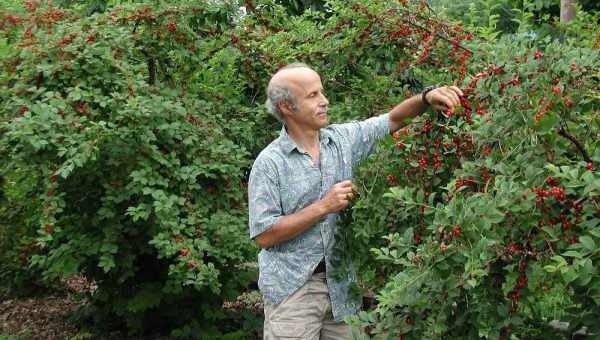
x,y
305,315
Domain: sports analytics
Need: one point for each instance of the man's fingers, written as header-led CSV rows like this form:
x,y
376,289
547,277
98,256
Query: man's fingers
x,y
344,191
456,90
443,97
346,183
451,96
445,102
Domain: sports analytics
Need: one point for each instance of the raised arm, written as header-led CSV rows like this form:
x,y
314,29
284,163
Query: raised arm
x,y
441,98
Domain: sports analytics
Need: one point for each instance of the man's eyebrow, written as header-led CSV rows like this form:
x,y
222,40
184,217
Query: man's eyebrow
x,y
311,92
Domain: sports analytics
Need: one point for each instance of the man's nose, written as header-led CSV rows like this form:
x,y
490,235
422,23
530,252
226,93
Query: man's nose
x,y
324,101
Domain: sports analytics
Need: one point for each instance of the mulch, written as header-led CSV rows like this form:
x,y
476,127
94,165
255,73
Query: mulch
x,y
47,317
38,318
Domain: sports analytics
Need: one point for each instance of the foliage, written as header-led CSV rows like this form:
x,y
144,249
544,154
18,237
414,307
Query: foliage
x,y
492,210
18,233
141,123
130,131
530,17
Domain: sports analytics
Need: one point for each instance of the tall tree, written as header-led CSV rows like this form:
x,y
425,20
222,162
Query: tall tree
x,y
567,10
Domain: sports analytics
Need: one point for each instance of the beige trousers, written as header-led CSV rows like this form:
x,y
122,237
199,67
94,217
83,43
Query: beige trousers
x,y
305,315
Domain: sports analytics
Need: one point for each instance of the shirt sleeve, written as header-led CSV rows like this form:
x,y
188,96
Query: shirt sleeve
x,y
363,135
264,201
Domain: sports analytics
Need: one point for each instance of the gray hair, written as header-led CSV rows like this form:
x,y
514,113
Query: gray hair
x,y
280,93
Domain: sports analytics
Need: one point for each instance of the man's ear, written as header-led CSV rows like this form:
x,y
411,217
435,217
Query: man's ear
x,y
285,108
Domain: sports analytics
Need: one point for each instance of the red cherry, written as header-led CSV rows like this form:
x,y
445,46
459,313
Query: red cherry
x,y
172,27
522,282
515,296
184,252
456,231
391,179
551,180
522,265
537,55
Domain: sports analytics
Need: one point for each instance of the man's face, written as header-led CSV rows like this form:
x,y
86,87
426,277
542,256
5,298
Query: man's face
x,y
311,103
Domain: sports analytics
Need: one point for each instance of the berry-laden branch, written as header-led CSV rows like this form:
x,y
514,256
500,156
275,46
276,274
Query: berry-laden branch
x,y
410,19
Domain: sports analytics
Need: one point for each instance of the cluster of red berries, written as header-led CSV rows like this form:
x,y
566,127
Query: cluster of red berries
x,y
516,293
392,180
31,6
141,15
513,248
172,27
67,40
542,194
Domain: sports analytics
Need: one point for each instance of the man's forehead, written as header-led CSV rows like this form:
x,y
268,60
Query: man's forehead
x,y
299,77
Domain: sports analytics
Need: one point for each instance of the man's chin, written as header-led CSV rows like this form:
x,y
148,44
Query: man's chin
x,y
324,119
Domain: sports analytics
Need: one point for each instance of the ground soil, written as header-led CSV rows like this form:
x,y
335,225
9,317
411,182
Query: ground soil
x,y
47,317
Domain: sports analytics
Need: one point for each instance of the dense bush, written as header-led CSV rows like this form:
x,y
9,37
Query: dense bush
x,y
130,131
140,125
493,210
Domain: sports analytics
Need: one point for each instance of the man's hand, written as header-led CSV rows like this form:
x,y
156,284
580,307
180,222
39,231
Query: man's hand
x,y
444,98
338,197
290,226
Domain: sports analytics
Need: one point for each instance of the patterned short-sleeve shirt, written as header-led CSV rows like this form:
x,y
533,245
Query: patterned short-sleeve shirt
x,y
284,180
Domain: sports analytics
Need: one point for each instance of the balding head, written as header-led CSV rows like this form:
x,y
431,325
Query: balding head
x,y
283,86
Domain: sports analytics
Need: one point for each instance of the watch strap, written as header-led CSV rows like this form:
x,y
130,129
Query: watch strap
x,y
426,90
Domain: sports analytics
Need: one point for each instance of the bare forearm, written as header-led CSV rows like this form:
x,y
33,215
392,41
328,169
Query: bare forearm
x,y
409,108
441,98
290,226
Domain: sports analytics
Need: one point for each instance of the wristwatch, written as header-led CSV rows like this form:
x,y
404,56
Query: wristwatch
x,y
426,91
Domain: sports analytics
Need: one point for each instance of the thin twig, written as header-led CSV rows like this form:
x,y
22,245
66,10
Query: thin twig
x,y
436,35
549,246
431,10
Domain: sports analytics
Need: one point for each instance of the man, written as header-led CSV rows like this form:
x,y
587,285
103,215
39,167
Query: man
x,y
298,184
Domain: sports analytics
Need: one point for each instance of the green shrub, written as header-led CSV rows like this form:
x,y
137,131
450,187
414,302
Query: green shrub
x,y
139,181
141,125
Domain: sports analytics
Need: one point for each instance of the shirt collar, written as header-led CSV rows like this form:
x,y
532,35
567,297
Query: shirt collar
x,y
288,145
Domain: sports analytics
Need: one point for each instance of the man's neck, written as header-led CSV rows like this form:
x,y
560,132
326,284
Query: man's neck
x,y
306,139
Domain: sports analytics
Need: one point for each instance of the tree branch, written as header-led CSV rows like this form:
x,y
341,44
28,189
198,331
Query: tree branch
x,y
562,132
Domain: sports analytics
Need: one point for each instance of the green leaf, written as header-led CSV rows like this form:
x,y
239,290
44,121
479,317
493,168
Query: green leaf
x,y
572,253
588,243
